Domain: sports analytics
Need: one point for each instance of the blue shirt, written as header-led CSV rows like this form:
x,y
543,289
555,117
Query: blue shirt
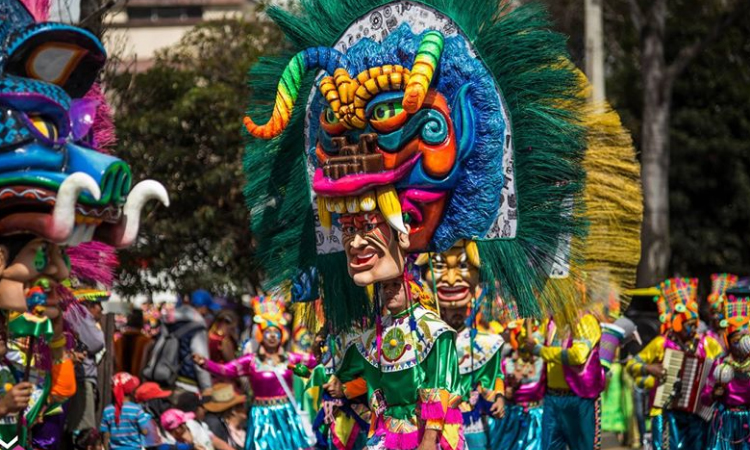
x,y
128,435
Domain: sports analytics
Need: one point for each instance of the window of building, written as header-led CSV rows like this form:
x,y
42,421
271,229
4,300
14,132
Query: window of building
x,y
159,13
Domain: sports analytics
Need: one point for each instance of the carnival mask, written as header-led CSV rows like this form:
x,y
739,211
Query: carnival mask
x,y
398,106
396,132
29,280
53,182
374,250
454,273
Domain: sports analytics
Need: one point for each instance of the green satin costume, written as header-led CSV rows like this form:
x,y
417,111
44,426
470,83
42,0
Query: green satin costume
x,y
417,373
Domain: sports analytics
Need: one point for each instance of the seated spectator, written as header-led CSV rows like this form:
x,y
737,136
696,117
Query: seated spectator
x,y
227,415
183,427
88,439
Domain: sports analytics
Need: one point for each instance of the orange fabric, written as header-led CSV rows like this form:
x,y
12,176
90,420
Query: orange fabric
x,y
355,388
63,380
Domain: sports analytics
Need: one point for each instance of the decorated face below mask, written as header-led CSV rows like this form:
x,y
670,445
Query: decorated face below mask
x,y
394,295
374,250
30,279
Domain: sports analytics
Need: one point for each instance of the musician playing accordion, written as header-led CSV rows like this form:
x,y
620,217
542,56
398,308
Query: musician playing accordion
x,y
729,384
674,366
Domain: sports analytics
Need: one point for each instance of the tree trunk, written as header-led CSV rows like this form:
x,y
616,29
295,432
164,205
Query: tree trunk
x,y
595,49
655,249
106,367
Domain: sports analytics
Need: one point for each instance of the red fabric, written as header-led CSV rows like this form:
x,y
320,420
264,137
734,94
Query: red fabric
x,y
122,384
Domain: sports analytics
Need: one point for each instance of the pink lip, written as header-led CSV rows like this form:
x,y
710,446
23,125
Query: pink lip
x,y
359,183
411,198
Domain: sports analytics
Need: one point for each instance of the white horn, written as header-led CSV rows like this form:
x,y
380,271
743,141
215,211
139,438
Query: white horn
x,y
64,213
141,194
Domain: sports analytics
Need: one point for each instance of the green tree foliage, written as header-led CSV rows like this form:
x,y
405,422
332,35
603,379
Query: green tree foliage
x,y
710,166
180,122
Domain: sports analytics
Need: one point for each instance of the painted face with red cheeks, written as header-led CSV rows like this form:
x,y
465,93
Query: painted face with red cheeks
x,y
374,251
36,261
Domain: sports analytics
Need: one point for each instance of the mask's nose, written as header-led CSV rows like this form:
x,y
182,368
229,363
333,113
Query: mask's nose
x,y
112,174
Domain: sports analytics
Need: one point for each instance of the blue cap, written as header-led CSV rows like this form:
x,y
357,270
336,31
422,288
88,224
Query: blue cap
x,y
203,298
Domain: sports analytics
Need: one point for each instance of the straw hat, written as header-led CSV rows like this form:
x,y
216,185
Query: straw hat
x,y
222,398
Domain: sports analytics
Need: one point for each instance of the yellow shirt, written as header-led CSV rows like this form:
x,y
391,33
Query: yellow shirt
x,y
586,336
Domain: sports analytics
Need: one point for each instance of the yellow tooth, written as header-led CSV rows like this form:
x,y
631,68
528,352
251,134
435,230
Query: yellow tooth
x,y
323,214
391,208
329,204
367,202
339,205
352,204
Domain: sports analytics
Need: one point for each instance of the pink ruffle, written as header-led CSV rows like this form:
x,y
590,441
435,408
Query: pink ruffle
x,y
432,411
401,441
454,416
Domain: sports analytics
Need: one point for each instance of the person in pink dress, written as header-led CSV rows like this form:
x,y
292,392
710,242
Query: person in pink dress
x,y
275,421
728,388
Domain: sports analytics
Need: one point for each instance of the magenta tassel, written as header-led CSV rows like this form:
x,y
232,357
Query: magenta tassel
x,y
454,416
104,126
432,411
401,441
93,262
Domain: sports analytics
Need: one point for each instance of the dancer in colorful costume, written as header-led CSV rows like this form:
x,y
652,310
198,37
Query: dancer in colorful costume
x,y
720,282
391,134
412,376
729,386
678,306
575,381
525,386
339,423
455,277
56,191
274,421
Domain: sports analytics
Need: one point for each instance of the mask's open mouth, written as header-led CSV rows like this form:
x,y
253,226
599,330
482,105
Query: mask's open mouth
x,y
340,178
65,217
452,293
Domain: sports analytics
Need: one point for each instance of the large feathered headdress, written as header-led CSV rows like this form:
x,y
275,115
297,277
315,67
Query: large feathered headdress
x,y
465,120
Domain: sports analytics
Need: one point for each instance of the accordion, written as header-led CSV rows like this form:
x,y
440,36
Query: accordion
x,y
686,377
